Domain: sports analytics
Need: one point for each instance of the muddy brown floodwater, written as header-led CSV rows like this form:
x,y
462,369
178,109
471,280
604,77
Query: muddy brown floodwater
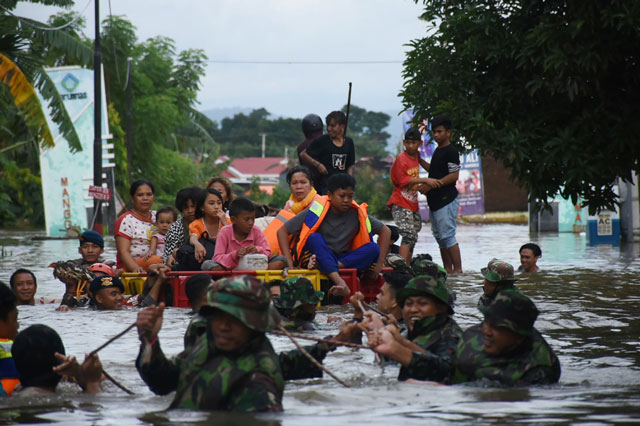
x,y
589,299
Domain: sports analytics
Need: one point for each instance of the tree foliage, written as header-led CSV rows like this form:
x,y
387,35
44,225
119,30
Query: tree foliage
x,y
549,88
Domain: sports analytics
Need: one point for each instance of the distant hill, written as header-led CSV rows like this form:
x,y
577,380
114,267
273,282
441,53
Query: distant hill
x,y
394,128
218,114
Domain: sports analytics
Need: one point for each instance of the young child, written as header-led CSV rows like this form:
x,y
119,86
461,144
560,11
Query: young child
x,y
241,238
339,232
403,203
443,197
8,331
210,218
164,219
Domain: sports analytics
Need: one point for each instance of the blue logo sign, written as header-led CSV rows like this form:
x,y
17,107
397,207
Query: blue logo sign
x,y
69,82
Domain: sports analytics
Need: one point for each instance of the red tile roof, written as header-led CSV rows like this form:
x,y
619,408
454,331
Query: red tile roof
x,y
260,166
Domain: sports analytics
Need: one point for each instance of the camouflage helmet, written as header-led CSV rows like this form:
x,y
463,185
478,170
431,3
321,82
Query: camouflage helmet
x,y
512,310
398,264
297,291
498,271
244,297
426,285
422,265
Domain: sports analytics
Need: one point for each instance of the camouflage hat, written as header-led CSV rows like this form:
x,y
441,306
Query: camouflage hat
x,y
497,271
398,264
297,291
422,265
426,285
244,297
512,310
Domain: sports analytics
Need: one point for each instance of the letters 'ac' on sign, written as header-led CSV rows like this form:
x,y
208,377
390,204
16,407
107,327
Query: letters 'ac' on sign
x,y
100,193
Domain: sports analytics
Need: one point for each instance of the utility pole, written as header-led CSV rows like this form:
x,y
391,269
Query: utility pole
x,y
129,125
97,119
264,143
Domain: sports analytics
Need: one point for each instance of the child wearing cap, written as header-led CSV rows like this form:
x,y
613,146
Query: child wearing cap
x,y
403,203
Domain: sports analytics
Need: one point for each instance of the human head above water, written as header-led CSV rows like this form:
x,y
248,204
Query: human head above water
x,y
107,292
196,289
24,284
34,354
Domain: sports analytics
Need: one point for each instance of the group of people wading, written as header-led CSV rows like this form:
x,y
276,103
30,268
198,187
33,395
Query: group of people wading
x,y
228,362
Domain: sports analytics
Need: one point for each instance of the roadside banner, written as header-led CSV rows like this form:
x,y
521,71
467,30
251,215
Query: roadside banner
x,y
469,185
66,176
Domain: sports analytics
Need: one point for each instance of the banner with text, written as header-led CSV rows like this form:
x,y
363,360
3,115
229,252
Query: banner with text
x,y
66,176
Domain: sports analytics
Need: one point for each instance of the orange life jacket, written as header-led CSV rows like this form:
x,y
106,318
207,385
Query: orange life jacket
x,y
316,214
271,231
8,372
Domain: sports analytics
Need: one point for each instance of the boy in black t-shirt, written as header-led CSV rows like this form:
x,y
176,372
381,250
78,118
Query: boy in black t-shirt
x,y
332,153
443,197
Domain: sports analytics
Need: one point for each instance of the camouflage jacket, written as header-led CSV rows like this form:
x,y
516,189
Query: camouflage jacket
x,y
294,364
206,378
197,327
439,335
533,362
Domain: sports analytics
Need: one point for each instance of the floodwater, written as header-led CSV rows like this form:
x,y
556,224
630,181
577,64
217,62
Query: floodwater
x,y
589,298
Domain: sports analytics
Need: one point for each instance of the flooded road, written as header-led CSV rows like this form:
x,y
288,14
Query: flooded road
x,y
589,299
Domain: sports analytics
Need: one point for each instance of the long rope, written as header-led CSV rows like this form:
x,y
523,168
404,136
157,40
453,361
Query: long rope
x,y
117,336
312,359
115,382
321,340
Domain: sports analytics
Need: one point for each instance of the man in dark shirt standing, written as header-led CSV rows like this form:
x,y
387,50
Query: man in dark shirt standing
x,y
312,127
443,195
332,153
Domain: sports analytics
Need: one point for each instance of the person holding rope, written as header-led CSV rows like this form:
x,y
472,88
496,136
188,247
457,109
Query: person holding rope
x,y
231,368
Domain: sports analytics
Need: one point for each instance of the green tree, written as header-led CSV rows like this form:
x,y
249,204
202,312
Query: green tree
x,y
366,128
549,88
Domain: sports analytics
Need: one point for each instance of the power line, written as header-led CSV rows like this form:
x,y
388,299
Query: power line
x,y
215,61
25,21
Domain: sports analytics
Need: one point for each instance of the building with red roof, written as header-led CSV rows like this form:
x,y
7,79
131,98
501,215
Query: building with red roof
x,y
242,171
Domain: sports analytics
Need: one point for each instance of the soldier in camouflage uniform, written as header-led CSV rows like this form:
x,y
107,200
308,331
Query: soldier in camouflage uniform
x,y
506,348
498,276
297,303
233,366
432,332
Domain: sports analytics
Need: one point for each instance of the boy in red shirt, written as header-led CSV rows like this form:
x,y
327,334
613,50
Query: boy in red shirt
x,y
403,203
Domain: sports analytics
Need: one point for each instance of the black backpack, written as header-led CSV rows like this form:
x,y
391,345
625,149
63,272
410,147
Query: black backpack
x,y
186,256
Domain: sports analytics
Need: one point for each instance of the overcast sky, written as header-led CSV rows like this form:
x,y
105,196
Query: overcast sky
x,y
279,30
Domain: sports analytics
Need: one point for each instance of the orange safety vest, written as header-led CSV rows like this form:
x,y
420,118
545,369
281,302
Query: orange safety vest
x,y
8,373
316,214
271,231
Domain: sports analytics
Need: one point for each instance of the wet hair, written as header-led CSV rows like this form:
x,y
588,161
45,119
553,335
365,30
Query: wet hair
x,y
33,352
227,187
240,205
413,134
299,169
167,209
203,197
337,116
8,301
196,286
397,281
138,183
341,181
441,120
185,194
537,251
12,279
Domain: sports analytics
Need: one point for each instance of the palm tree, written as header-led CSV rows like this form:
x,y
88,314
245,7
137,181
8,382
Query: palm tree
x,y
22,71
